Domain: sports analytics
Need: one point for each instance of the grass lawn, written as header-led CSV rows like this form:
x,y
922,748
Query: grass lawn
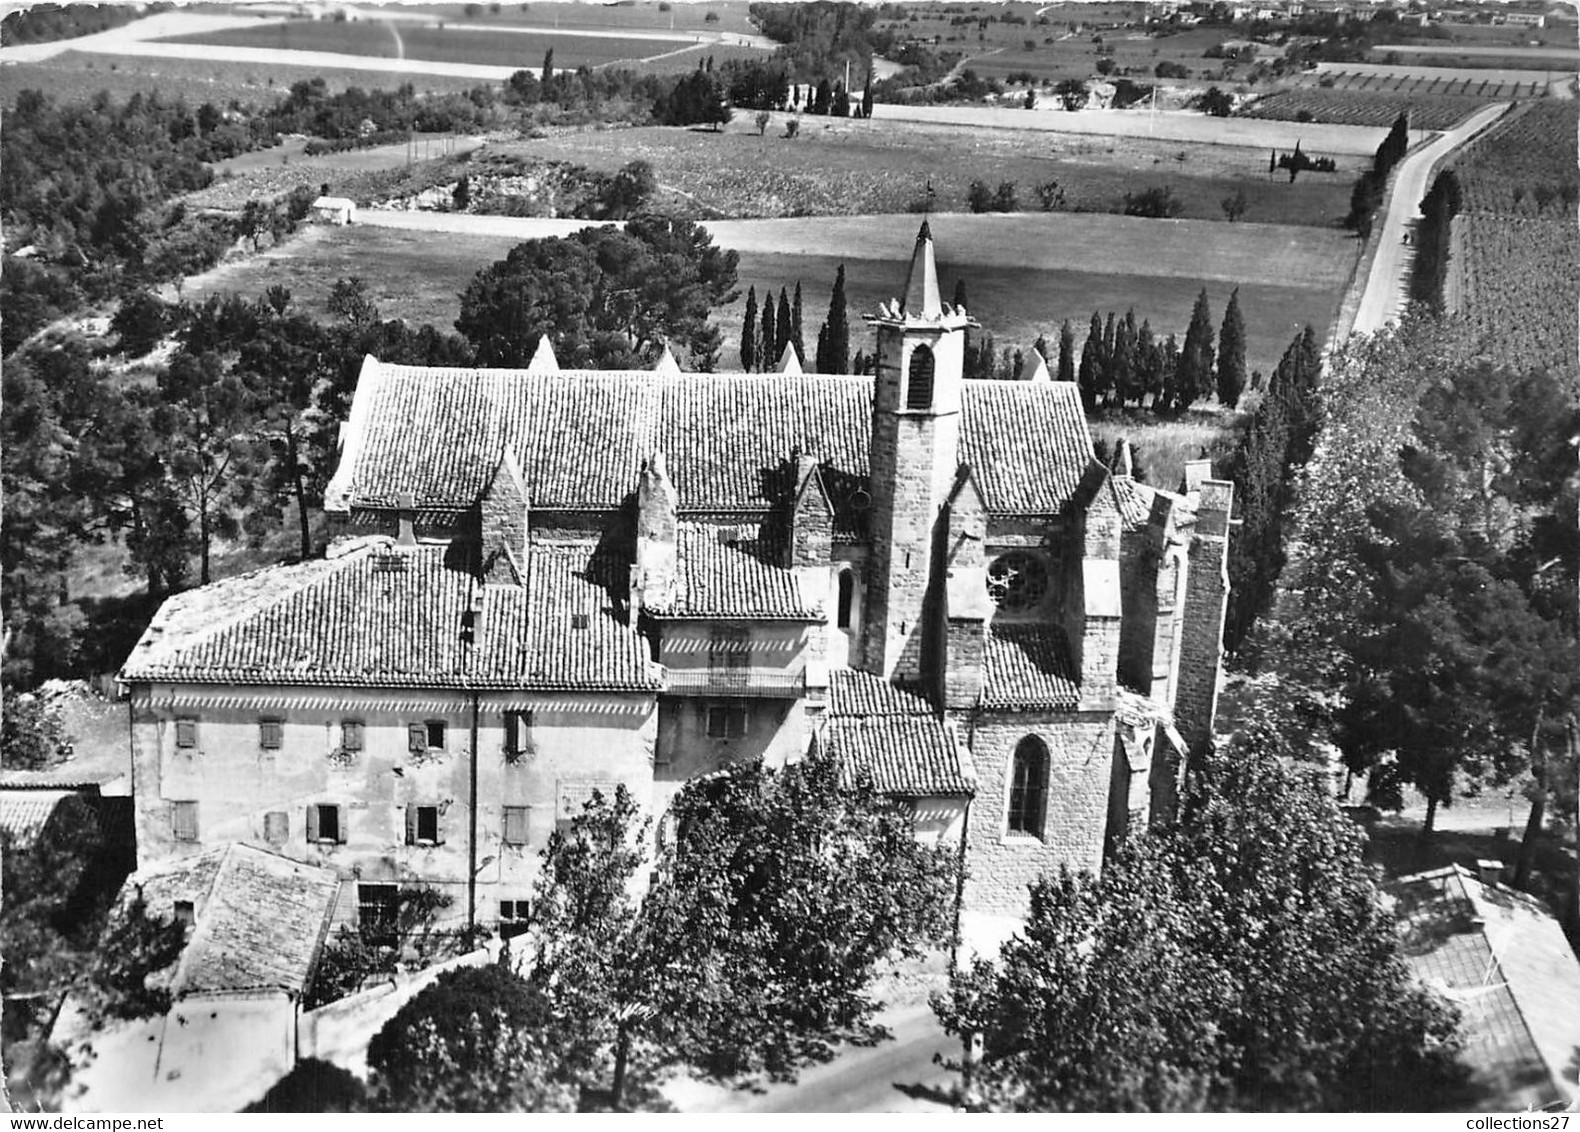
x,y
1161,447
840,166
452,43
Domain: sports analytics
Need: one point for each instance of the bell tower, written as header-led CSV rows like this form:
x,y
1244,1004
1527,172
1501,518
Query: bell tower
x,y
915,454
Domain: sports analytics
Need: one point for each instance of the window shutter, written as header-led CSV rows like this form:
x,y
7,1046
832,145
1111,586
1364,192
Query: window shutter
x,y
186,733
269,734
312,823
411,825
515,825
513,731
340,824
417,738
351,735
276,828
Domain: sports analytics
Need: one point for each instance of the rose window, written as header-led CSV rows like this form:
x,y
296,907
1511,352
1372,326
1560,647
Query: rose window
x,y
1017,581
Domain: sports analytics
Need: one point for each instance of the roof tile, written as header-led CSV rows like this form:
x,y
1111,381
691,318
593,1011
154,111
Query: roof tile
x,y
732,577
907,755
1028,666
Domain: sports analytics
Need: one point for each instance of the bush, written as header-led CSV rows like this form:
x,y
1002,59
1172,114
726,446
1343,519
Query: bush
x,y
314,1086
979,197
1159,203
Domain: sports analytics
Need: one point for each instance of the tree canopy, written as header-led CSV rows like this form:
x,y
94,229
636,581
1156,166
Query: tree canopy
x,y
1241,960
608,299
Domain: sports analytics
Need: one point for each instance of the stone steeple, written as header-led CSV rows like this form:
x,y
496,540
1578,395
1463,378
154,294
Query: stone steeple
x,y
921,282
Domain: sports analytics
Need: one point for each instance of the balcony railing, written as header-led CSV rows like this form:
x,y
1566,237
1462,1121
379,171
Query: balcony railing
x,y
743,682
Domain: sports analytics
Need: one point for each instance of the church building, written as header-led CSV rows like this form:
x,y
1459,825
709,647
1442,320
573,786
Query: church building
x,y
548,582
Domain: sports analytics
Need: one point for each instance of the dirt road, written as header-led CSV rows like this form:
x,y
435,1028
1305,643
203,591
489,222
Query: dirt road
x,y
1387,283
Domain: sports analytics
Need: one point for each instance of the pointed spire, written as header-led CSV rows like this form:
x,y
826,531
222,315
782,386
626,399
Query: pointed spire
x,y
667,365
921,284
1124,467
789,363
1034,368
543,359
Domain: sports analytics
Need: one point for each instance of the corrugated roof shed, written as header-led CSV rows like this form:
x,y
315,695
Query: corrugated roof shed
x,y
1502,959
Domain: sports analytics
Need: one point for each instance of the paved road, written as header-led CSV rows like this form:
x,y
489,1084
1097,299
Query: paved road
x,y
1386,285
894,1076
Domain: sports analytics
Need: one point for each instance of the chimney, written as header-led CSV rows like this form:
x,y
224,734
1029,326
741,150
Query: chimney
x,y
654,575
811,535
1201,629
1489,872
503,512
406,515
1124,466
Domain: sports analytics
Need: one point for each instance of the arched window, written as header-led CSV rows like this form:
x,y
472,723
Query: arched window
x,y
847,597
919,389
1028,787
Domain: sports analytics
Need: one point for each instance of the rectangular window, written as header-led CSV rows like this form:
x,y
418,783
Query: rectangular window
x,y
435,734
726,722
729,656
324,824
186,734
350,734
378,908
515,825
513,917
416,738
518,732
270,734
276,827
184,821
422,825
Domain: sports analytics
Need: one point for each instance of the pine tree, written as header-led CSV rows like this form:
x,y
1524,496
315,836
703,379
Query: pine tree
x,y
749,332
1231,353
768,336
1195,370
797,338
1066,352
838,327
548,66
783,328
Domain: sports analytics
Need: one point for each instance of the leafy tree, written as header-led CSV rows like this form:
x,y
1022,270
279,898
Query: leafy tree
x,y
1158,202
1218,103
1004,197
1071,92
1195,379
475,1040
1050,194
1197,972
314,1086
609,299
136,946
1231,353
980,197
866,94
749,332
1234,205
835,357
140,322
31,737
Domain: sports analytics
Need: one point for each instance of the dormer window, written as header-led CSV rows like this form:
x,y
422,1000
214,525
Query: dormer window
x,y
919,383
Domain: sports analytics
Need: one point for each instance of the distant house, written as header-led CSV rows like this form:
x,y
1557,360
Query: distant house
x,y
256,923
334,210
1501,958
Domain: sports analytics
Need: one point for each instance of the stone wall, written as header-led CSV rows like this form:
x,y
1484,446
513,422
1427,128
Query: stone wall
x,y
1201,632
1000,866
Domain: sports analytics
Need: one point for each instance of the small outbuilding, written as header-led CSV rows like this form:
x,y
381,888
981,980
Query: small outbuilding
x,y
335,210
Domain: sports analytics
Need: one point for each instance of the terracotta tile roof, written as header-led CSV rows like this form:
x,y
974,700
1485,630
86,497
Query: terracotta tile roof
x,y
1028,666
259,918
852,692
725,572
386,618
580,436
1134,501
25,813
1501,958
907,755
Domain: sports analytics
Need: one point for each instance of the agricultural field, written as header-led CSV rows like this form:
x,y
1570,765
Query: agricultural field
x,y
1487,85
448,43
634,18
1516,274
78,75
1519,283
1057,53
847,167
1360,108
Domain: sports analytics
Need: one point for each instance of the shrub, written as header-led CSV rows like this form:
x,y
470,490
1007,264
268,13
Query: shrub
x,y
1157,203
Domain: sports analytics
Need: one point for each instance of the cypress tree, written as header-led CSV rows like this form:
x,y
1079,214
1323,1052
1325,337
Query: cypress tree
x,y
548,66
768,336
840,107
782,328
1066,352
796,336
1105,378
1169,374
824,98
822,365
1125,385
1231,353
1149,366
960,294
749,332
838,327
1195,379
1091,376
866,93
